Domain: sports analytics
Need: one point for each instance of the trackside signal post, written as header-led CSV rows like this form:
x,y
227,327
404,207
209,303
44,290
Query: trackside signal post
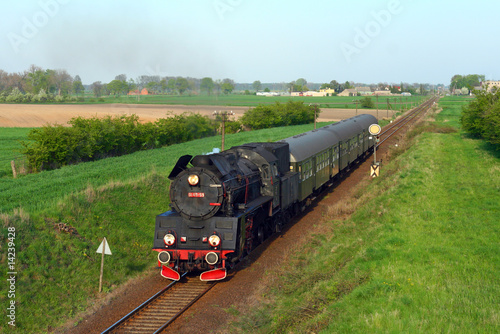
x,y
375,130
104,249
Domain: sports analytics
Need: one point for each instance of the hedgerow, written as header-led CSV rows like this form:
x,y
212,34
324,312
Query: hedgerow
x,y
88,139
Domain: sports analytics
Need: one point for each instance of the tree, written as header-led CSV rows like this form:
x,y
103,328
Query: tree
x,y
37,79
121,77
77,85
207,84
63,82
117,87
227,86
181,84
257,85
470,81
97,88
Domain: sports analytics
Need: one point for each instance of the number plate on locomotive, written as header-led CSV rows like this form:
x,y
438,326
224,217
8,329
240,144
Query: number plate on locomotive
x,y
196,195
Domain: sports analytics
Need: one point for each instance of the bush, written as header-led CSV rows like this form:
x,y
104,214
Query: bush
x,y
90,139
59,98
279,114
41,96
481,118
15,96
367,102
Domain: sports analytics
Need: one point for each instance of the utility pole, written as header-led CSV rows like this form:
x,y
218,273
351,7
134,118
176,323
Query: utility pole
x,y
315,109
387,107
224,115
377,106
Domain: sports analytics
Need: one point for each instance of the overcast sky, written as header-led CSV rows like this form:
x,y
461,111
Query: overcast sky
x,y
366,41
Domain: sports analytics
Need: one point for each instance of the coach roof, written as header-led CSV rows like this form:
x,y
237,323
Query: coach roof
x,y
307,144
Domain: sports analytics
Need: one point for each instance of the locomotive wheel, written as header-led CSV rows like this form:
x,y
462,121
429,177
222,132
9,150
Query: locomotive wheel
x,y
260,234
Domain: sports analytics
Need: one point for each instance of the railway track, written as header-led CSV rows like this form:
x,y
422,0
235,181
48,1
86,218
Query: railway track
x,y
411,116
155,314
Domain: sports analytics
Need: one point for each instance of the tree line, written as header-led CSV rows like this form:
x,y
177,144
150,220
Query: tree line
x,y
47,85
54,146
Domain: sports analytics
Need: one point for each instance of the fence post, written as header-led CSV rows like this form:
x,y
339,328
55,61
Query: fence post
x,y
13,165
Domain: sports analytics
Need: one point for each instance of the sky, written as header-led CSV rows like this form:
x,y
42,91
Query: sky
x,y
366,41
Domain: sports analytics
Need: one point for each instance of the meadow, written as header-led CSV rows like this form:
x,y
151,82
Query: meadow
x,y
343,102
10,148
418,254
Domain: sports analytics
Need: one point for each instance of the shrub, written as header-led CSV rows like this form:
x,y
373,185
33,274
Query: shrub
x,y
481,117
41,96
367,102
15,96
279,114
90,139
59,98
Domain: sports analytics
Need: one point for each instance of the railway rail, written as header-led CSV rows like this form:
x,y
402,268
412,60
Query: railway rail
x,y
155,314
403,121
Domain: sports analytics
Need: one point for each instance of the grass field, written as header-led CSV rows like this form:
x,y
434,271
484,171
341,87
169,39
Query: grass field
x,y
420,254
253,100
10,148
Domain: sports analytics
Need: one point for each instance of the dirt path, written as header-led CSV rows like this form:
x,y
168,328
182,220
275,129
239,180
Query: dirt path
x,y
36,115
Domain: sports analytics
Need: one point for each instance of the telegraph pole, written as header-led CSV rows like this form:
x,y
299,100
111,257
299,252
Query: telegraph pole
x,y
315,106
224,115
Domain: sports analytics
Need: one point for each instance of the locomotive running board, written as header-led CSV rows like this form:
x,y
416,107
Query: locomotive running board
x,y
213,275
169,273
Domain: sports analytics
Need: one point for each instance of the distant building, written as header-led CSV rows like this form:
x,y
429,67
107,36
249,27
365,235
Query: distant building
x,y
308,93
385,92
364,90
327,91
490,84
144,91
349,92
268,94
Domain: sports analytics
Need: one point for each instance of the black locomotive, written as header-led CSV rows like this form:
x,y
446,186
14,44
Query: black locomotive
x,y
225,204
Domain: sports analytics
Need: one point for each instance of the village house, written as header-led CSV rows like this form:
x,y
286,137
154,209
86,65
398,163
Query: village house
x,y
144,91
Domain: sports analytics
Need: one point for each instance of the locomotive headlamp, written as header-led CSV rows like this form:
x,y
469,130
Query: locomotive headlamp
x,y
164,257
214,240
169,239
212,258
193,179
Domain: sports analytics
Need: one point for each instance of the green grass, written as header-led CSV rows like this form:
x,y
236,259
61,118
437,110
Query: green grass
x,y
10,148
248,100
419,255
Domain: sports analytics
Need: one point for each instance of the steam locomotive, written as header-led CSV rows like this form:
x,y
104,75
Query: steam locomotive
x,y
224,205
